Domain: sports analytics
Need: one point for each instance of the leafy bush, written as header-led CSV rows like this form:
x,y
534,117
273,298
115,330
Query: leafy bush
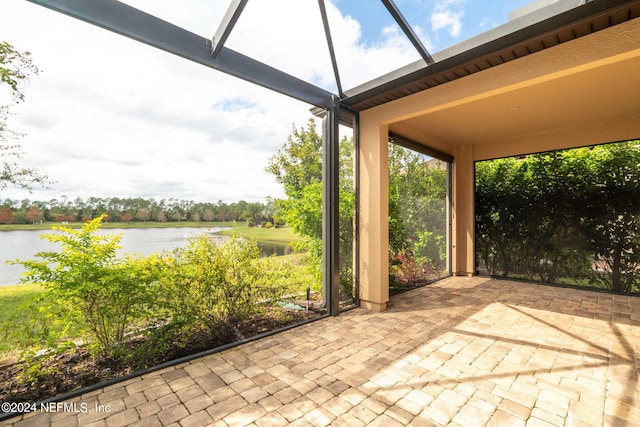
x,y
205,290
212,286
406,271
89,286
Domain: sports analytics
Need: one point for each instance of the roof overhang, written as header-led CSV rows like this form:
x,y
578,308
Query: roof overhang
x,y
579,93
549,26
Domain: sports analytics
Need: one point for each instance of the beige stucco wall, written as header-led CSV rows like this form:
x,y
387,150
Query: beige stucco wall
x,y
373,226
579,93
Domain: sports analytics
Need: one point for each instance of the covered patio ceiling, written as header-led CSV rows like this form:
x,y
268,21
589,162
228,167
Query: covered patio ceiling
x,y
520,112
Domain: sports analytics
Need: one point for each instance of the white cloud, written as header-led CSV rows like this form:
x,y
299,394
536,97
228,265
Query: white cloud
x,y
448,15
448,19
109,116
359,62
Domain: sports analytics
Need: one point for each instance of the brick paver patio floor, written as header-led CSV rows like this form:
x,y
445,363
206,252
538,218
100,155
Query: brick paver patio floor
x,y
463,351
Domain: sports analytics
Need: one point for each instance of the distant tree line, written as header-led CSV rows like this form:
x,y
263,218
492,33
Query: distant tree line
x,y
119,209
568,217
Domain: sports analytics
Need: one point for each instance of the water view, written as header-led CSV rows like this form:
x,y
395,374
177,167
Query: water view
x,y
24,244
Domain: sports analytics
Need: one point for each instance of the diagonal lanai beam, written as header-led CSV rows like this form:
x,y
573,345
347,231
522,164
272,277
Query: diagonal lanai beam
x,y
408,31
228,22
327,32
143,27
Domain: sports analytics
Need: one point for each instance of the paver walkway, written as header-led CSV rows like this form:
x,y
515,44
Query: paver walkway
x,y
463,351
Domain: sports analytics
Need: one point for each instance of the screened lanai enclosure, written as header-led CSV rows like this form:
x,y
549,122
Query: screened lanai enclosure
x,y
394,183
496,94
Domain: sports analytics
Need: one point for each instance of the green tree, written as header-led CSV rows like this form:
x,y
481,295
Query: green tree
x,y
299,162
298,167
417,198
253,213
15,68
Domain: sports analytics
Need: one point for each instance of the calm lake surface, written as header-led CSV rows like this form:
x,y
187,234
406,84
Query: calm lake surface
x,y
24,244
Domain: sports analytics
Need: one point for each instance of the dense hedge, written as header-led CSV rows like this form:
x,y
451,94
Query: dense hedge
x,y
565,217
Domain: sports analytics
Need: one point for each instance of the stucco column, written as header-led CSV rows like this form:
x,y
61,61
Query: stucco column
x,y
463,212
374,215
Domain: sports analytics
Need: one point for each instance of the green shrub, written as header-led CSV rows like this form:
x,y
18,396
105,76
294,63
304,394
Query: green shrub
x,y
214,286
93,289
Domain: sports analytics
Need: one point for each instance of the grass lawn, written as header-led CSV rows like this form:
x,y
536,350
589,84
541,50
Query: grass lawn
x,y
14,316
263,235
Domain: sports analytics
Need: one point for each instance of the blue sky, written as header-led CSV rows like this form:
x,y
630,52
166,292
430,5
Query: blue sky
x,y
442,23
108,116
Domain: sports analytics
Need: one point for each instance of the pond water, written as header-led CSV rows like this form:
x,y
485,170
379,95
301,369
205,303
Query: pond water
x,y
24,244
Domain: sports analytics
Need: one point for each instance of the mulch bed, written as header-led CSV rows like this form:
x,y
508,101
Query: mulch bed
x,y
77,368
